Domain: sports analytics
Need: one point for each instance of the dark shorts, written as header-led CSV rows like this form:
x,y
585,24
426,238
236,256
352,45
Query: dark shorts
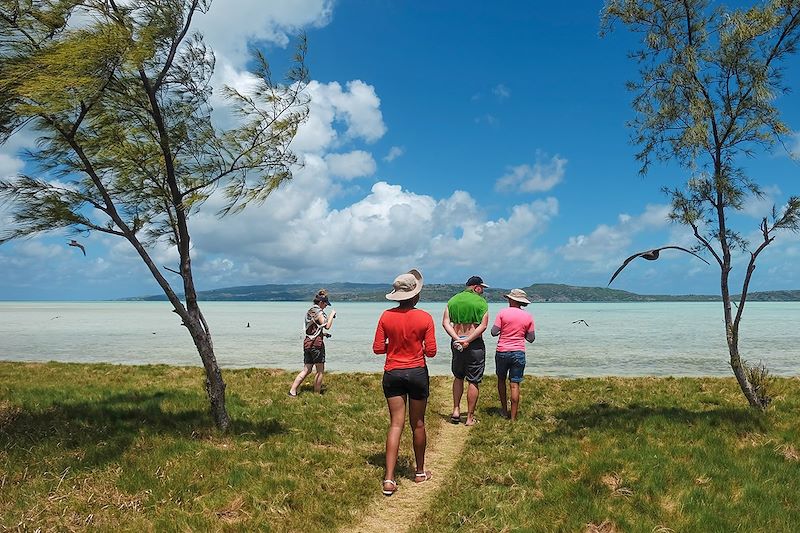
x,y
470,363
314,356
510,365
413,382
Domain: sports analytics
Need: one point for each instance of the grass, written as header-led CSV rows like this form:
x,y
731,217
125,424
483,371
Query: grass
x,y
115,447
131,448
648,455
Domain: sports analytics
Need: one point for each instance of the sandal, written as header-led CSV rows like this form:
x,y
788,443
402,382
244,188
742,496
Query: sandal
x,y
292,395
421,477
392,489
455,419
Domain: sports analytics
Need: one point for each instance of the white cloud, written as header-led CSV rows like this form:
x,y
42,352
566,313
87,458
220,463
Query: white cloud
x,y
541,176
232,25
387,229
357,107
794,147
607,244
501,92
351,165
394,153
9,165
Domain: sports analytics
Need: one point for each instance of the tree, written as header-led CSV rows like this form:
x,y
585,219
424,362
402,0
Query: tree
x,y
119,96
709,80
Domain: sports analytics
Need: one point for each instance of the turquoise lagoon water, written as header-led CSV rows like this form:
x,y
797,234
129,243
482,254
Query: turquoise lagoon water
x,y
623,339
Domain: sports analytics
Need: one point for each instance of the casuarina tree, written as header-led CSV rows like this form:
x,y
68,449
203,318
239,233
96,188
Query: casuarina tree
x,y
706,100
118,94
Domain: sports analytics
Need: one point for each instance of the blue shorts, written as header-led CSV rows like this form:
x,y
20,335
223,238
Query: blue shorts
x,y
511,364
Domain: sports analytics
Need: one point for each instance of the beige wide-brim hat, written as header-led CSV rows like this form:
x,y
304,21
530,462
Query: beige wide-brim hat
x,y
518,295
406,286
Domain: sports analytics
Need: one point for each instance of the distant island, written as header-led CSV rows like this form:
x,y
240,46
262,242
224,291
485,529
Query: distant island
x,y
374,292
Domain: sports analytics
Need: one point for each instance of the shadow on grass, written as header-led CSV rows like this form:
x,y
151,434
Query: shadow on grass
x,y
105,428
405,468
602,416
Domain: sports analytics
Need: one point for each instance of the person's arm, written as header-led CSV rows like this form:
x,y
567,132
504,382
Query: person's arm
x,y
327,324
477,332
379,345
530,336
496,327
448,326
429,344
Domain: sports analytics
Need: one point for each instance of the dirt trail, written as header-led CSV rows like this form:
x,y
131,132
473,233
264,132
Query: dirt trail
x,y
397,512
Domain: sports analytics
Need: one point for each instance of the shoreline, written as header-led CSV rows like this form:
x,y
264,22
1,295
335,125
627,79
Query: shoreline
x,y
291,371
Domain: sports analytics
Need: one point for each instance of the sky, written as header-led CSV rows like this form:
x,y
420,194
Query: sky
x,y
459,138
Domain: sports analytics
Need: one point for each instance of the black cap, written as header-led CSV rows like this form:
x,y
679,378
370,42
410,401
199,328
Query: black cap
x,y
475,280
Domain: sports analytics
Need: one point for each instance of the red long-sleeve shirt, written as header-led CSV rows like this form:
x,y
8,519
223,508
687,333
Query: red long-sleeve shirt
x,y
406,336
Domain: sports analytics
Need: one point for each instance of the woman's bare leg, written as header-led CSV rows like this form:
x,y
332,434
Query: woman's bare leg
x,y
320,367
416,419
514,400
299,379
397,417
501,392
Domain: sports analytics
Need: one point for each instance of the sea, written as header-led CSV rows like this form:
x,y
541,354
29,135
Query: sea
x,y
614,339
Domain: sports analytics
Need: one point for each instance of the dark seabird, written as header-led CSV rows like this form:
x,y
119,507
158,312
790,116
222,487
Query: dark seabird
x,y
652,255
76,244
581,321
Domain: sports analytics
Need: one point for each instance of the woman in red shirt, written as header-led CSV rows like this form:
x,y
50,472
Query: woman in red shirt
x,y
406,335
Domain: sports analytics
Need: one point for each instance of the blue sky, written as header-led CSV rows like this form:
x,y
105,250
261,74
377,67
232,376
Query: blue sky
x,y
457,137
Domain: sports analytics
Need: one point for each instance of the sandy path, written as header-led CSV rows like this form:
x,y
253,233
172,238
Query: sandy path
x,y
397,512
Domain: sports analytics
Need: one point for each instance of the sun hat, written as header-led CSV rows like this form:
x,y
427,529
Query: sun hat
x,y
518,295
406,286
475,280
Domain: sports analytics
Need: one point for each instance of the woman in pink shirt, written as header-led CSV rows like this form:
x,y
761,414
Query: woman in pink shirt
x,y
406,335
515,326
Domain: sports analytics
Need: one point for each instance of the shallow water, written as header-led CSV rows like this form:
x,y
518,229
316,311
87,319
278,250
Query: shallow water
x,y
623,339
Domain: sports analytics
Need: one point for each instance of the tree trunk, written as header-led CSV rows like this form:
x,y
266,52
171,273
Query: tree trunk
x,y
741,377
215,386
732,336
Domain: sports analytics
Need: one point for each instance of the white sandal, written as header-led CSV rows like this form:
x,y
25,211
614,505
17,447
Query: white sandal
x,y
389,492
420,477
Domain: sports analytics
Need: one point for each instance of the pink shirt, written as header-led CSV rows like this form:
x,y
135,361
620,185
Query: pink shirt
x,y
514,324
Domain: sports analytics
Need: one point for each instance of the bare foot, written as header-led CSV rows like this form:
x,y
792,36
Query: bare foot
x,y
471,421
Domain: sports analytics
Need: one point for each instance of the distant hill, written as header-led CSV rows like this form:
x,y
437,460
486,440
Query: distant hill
x,y
374,292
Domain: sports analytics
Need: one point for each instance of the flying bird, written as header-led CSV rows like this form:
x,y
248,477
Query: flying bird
x,y
581,321
76,244
652,255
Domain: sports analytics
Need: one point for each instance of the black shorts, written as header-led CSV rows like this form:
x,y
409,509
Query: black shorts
x,y
470,363
314,356
413,382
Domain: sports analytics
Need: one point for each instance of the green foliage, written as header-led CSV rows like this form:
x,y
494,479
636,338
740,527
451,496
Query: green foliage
x,y
759,378
119,95
706,98
709,80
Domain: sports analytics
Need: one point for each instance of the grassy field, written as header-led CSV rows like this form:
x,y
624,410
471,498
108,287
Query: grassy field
x,y
132,448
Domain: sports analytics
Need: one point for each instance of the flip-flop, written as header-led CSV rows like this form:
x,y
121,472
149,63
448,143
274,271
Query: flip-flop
x,y
389,491
421,477
290,395
455,419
